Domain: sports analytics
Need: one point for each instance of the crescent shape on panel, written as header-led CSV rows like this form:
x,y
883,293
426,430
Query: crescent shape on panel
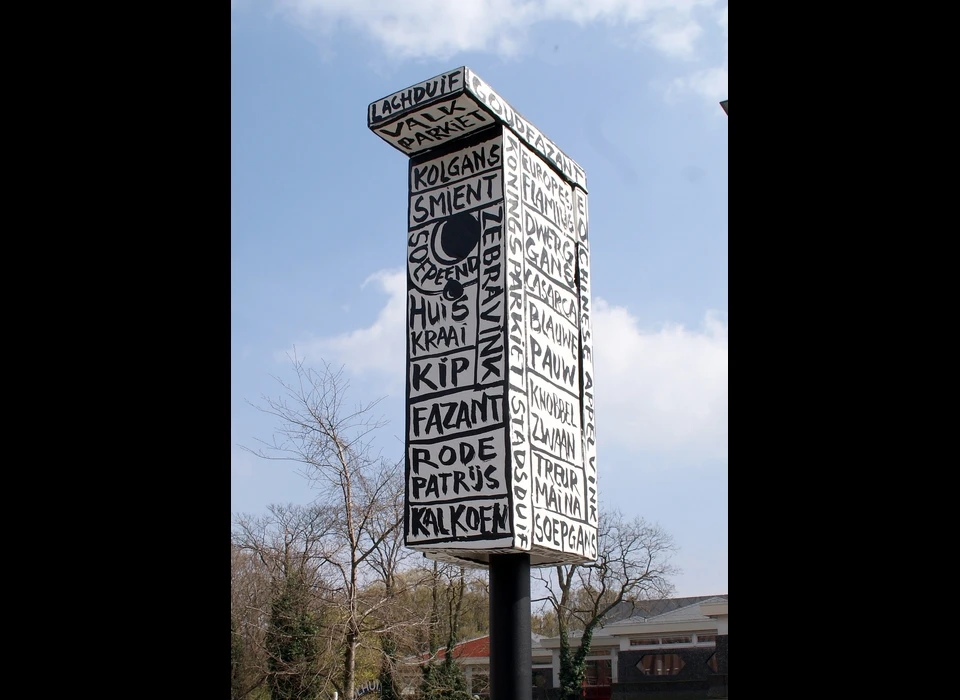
x,y
455,237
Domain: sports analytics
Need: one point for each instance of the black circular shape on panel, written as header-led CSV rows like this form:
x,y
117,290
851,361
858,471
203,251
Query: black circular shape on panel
x,y
460,236
453,290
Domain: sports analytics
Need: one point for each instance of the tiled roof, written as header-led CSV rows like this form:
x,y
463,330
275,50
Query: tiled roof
x,y
472,648
479,647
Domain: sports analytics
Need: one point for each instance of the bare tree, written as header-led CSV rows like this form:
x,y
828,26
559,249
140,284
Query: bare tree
x,y
632,563
445,679
249,603
397,581
284,623
333,444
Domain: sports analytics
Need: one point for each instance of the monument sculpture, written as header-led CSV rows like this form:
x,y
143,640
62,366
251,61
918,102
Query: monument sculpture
x,y
500,431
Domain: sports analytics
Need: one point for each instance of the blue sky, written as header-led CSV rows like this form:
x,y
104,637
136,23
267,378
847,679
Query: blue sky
x,y
627,88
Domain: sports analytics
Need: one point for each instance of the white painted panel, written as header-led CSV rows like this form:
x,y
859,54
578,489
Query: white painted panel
x,y
527,131
408,99
435,125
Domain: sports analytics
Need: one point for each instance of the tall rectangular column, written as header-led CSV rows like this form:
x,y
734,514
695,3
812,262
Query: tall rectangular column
x,y
501,440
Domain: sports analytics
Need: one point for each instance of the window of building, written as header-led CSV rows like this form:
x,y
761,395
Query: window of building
x,y
653,641
713,663
676,640
706,638
480,683
597,672
660,664
541,677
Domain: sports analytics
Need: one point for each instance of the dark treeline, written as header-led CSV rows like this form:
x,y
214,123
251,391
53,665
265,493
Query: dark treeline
x,y
291,621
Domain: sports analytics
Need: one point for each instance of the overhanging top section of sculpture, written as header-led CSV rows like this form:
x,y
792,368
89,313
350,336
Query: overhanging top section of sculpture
x,y
453,105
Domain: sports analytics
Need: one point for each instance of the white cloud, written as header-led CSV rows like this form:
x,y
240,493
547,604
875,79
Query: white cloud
x,y
379,348
660,390
656,390
441,28
675,39
710,82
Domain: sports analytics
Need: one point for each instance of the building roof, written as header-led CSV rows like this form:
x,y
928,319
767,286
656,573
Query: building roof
x,y
668,610
479,647
688,612
651,616
471,648
637,611
655,616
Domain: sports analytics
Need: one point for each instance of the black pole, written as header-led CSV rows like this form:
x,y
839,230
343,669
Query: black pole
x,y
511,673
